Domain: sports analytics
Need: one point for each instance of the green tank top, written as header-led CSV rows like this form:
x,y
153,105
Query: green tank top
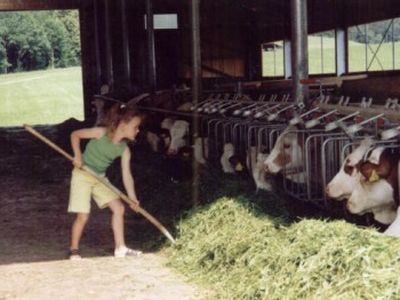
x,y
100,153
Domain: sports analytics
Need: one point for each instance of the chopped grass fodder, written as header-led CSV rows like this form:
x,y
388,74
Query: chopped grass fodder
x,y
243,254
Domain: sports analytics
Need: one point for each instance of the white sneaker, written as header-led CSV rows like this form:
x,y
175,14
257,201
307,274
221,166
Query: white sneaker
x,y
125,251
74,254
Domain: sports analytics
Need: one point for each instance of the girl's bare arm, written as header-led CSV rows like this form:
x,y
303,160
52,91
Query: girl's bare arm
x,y
86,133
127,176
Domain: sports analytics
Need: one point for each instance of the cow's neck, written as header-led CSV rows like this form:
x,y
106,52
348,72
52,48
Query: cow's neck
x,y
298,176
394,178
385,214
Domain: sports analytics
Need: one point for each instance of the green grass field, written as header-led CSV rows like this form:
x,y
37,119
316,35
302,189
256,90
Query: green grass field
x,y
357,57
41,97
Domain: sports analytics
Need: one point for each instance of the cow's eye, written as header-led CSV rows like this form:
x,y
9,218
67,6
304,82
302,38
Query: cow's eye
x,y
348,169
286,146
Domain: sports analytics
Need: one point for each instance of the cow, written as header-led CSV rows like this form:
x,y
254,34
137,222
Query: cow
x,y
178,132
394,228
231,162
158,132
255,163
377,186
358,182
343,183
200,149
229,151
287,154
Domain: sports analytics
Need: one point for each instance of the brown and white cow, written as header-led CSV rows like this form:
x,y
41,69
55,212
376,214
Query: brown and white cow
x,y
343,183
231,162
367,184
377,186
287,154
255,163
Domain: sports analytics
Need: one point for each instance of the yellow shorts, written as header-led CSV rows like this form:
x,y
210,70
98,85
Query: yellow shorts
x,y
83,187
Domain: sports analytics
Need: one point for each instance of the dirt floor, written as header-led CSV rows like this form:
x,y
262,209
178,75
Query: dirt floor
x,y
34,238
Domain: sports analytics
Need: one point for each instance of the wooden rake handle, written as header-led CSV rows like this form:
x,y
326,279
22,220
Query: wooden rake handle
x,y
124,197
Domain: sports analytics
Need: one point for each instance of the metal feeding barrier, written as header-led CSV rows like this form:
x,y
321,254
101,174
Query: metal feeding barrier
x,y
324,149
327,132
230,121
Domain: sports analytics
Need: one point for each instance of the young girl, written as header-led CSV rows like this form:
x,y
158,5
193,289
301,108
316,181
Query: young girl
x,y
105,145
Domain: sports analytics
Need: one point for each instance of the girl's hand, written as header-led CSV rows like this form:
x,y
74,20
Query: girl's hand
x,y
135,204
77,162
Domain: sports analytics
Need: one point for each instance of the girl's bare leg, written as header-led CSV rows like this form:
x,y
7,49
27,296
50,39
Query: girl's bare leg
x,y
117,222
77,229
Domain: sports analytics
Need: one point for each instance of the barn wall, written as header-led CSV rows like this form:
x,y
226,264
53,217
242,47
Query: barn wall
x,y
222,50
325,15
366,11
40,4
378,87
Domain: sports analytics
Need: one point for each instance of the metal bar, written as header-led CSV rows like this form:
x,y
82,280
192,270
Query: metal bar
x,y
196,82
370,48
109,59
322,54
299,48
393,47
340,52
379,46
125,45
196,56
160,110
287,58
274,60
366,47
151,52
97,44
365,112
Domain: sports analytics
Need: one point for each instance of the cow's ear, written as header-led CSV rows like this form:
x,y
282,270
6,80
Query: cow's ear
x,y
384,169
368,171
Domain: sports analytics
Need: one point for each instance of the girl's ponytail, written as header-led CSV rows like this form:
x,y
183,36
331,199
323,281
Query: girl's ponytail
x,y
120,112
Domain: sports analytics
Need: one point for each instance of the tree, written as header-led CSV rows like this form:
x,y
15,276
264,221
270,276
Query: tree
x,y
25,41
3,52
70,19
3,58
37,40
58,39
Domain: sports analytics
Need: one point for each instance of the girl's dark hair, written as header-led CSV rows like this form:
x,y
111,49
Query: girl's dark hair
x,y
121,113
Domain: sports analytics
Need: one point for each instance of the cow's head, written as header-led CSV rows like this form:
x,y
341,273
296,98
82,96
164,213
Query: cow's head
x,y
229,150
200,148
367,196
165,132
178,132
342,185
372,189
287,152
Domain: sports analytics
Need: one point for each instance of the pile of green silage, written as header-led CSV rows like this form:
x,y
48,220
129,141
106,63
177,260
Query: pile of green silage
x,y
240,253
